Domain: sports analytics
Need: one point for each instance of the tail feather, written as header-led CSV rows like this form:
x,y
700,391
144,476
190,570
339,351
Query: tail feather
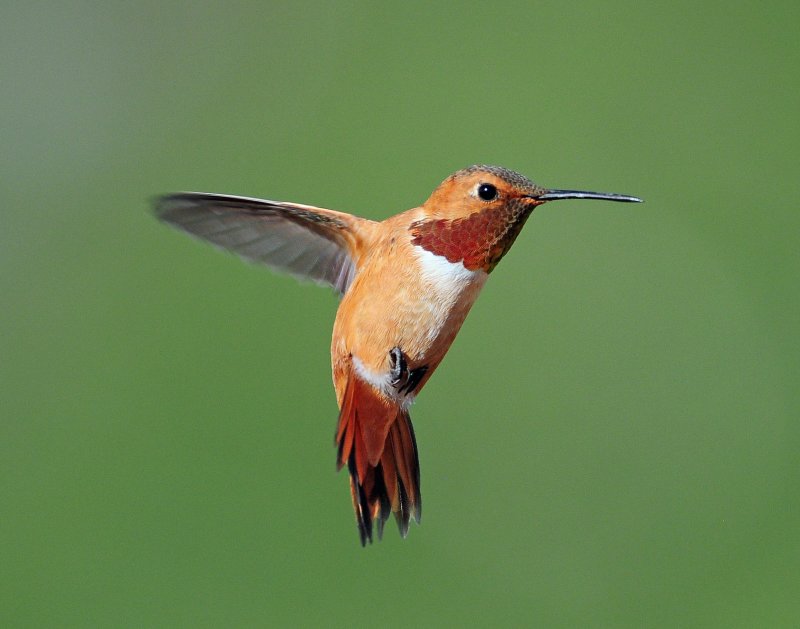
x,y
376,440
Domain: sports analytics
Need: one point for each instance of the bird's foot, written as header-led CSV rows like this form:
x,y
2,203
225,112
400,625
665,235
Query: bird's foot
x,y
402,378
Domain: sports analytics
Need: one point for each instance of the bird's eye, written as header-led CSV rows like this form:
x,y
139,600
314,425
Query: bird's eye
x,y
487,192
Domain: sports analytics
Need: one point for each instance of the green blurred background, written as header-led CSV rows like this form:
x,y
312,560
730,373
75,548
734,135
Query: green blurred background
x,y
613,439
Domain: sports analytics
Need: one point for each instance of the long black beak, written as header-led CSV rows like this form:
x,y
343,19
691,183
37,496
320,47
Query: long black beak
x,y
557,195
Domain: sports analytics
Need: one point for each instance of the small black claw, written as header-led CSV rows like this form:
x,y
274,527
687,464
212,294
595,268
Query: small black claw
x,y
414,378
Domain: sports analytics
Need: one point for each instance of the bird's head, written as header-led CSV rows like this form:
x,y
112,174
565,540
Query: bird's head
x,y
476,213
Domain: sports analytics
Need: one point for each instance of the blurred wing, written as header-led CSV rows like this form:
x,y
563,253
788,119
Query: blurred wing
x,y
304,241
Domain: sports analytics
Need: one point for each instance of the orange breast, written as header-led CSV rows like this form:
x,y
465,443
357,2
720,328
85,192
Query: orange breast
x,y
404,296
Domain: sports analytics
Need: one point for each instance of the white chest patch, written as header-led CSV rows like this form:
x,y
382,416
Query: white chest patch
x,y
452,287
439,270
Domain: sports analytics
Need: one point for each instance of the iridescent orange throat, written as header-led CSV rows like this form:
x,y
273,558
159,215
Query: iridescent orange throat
x,y
479,240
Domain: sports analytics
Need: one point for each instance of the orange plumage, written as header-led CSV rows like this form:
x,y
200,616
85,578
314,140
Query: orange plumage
x,y
407,284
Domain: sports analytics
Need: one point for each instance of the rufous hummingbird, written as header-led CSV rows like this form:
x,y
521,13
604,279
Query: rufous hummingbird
x,y
406,285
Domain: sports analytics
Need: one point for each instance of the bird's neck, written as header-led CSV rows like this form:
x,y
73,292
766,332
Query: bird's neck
x,y
478,240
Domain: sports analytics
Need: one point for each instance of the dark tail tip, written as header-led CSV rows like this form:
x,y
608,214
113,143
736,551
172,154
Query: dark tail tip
x,y
391,486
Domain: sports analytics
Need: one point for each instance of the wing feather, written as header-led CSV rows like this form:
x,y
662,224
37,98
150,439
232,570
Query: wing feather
x,y
305,241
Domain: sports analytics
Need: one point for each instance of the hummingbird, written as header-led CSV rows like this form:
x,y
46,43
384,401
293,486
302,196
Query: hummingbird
x,y
406,285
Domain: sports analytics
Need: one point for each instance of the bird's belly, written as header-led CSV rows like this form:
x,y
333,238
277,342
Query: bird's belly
x,y
418,309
